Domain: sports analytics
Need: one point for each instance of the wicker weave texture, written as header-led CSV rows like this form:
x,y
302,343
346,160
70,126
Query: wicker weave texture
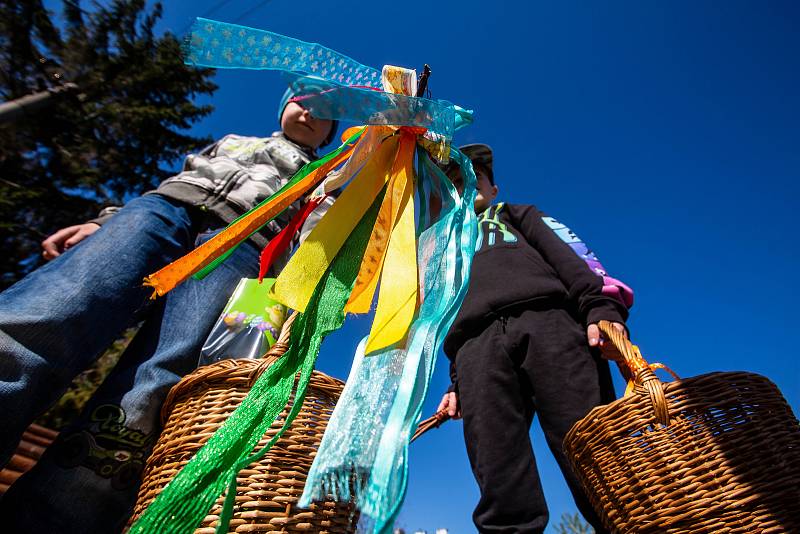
x,y
727,462
31,447
267,489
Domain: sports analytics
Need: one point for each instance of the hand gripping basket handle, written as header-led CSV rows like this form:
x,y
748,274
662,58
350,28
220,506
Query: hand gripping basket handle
x,y
434,421
631,364
634,367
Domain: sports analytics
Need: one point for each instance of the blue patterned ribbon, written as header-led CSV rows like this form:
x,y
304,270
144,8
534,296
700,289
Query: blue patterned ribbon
x,y
370,429
220,45
328,100
341,88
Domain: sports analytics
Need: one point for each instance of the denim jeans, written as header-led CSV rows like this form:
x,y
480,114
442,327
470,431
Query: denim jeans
x,y
59,319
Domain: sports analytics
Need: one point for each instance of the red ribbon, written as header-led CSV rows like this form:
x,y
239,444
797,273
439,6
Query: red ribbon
x,y
280,242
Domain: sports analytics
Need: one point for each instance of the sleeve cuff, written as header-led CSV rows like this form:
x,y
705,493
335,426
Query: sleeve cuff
x,y
607,313
105,215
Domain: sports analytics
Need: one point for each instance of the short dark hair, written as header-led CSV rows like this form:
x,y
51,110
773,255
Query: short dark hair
x,y
453,167
488,170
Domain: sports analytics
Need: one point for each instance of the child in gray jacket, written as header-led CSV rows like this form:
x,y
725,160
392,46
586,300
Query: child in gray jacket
x,y
56,321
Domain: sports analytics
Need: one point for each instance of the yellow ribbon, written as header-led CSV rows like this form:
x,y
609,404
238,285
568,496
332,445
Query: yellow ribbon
x,y
653,367
366,147
297,281
391,255
397,300
372,263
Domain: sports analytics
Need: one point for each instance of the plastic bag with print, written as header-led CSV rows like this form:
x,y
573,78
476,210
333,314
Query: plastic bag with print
x,y
247,327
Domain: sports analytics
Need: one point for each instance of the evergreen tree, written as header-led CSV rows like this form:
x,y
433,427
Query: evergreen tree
x,y
115,137
573,524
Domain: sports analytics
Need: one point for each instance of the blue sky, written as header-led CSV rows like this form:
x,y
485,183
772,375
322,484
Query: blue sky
x,y
665,134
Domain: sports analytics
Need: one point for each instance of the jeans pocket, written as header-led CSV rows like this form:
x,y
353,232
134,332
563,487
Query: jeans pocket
x,y
206,235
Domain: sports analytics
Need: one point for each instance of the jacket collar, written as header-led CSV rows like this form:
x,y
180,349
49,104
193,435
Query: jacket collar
x,y
308,151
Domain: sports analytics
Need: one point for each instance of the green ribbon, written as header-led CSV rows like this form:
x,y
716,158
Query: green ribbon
x,y
185,501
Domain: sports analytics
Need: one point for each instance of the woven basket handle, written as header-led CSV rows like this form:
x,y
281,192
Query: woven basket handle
x,y
276,351
634,368
282,344
434,421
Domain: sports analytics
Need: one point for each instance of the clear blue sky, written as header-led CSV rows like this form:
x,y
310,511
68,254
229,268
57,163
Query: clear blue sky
x,y
665,134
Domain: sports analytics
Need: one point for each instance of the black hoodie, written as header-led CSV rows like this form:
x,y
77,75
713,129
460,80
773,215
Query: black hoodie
x,y
519,261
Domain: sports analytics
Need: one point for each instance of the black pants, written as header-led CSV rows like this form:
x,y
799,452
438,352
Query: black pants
x,y
534,361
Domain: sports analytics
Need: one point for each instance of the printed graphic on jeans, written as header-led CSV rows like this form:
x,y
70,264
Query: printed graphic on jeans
x,y
493,229
107,447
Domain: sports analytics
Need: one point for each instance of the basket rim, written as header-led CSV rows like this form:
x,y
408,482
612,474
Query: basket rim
x,y
669,387
232,373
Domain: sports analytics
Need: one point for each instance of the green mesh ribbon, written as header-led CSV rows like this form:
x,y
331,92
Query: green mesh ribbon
x,y
185,501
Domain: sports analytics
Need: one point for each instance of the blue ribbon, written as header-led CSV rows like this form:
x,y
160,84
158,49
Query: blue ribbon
x,y
342,88
329,100
220,45
369,431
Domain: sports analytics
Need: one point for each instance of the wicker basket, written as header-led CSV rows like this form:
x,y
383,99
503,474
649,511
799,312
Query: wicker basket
x,y
269,488
31,447
717,453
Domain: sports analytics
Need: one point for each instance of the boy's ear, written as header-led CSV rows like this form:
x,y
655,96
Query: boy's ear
x,y
494,191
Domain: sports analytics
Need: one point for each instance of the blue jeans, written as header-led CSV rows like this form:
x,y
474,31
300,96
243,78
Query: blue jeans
x,y
59,319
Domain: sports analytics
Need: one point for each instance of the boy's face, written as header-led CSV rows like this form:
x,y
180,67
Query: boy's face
x,y
485,191
301,127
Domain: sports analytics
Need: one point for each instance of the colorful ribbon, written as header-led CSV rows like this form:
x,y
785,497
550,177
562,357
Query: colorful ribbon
x,y
397,262
220,45
297,281
210,253
184,502
363,454
368,236
329,100
391,255
343,89
281,242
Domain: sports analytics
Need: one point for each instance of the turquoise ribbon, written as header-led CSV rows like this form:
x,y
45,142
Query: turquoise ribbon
x,y
220,45
370,429
341,88
331,100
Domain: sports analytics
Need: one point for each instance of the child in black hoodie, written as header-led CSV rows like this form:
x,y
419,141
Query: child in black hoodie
x,y
525,342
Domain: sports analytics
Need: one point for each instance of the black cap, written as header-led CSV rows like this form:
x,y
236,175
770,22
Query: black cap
x,y
478,153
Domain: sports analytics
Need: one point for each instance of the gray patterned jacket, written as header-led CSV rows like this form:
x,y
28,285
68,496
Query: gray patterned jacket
x,y
234,174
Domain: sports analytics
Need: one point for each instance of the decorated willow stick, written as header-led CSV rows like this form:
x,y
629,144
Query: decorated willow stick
x,y
368,243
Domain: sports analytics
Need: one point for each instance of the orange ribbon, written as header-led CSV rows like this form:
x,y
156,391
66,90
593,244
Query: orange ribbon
x,y
176,272
372,263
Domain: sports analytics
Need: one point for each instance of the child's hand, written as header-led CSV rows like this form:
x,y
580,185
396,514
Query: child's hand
x,y
596,339
450,403
65,238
